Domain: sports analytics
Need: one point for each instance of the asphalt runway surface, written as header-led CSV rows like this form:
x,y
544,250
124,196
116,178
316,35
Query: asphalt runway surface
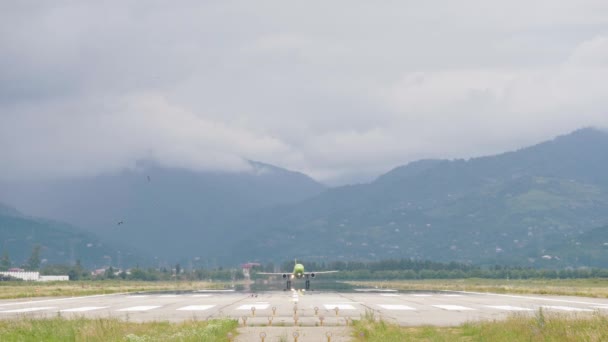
x,y
281,308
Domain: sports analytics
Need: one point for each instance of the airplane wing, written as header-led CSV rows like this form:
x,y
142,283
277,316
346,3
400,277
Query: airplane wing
x,y
267,273
320,272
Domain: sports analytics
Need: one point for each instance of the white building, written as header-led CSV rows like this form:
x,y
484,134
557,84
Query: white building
x,y
35,276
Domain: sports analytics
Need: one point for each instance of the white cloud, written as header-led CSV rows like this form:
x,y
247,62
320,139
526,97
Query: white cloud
x,y
339,90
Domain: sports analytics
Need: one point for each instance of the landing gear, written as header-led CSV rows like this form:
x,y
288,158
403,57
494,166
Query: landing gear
x,y
307,284
288,286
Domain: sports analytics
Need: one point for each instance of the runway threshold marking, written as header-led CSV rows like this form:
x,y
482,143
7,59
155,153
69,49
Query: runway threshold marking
x,y
29,309
196,308
140,308
453,307
84,308
396,307
508,308
565,308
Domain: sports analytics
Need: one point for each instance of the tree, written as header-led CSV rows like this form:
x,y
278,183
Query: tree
x,y
5,262
33,263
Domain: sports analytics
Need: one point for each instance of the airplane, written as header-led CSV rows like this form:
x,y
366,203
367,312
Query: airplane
x,y
299,273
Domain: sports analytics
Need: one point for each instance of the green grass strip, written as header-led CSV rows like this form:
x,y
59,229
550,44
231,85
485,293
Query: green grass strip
x,y
109,329
540,327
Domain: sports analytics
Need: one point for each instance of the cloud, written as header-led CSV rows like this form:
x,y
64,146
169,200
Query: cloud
x,y
341,91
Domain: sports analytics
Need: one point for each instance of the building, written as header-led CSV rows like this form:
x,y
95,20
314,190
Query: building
x,y
35,276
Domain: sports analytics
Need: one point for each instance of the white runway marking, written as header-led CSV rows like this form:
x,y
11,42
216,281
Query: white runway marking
x,y
339,306
138,296
62,299
167,296
528,297
508,308
201,295
29,309
422,295
140,308
389,295
564,308
453,307
84,308
452,295
196,307
396,307
256,306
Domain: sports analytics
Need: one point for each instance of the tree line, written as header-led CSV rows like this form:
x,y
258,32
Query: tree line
x,y
408,269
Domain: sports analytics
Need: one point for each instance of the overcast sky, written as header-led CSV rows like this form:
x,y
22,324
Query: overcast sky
x,y
339,90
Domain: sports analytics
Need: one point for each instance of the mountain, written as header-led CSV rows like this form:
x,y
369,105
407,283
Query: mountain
x,y
544,205
59,242
511,208
167,213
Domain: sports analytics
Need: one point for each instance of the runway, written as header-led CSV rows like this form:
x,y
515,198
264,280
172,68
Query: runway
x,y
309,308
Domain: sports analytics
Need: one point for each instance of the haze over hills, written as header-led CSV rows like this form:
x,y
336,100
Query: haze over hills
x,y
59,242
524,207
167,213
545,205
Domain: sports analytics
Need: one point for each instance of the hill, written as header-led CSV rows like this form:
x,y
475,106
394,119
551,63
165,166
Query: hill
x,y
506,209
167,213
59,242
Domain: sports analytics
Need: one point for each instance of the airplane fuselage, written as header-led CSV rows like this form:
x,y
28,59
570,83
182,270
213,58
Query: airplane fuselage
x,y
298,271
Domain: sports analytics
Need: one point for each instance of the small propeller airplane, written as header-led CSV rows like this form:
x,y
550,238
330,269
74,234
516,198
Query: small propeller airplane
x,y
299,273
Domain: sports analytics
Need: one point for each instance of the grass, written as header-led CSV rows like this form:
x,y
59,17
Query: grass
x,y
592,287
542,327
108,329
25,289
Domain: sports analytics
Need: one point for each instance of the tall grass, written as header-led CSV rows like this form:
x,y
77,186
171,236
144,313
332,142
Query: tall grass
x,y
108,329
541,327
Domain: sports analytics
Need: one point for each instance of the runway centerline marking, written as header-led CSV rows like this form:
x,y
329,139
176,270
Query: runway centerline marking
x,y
453,307
508,308
196,307
396,307
140,308
29,309
84,308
